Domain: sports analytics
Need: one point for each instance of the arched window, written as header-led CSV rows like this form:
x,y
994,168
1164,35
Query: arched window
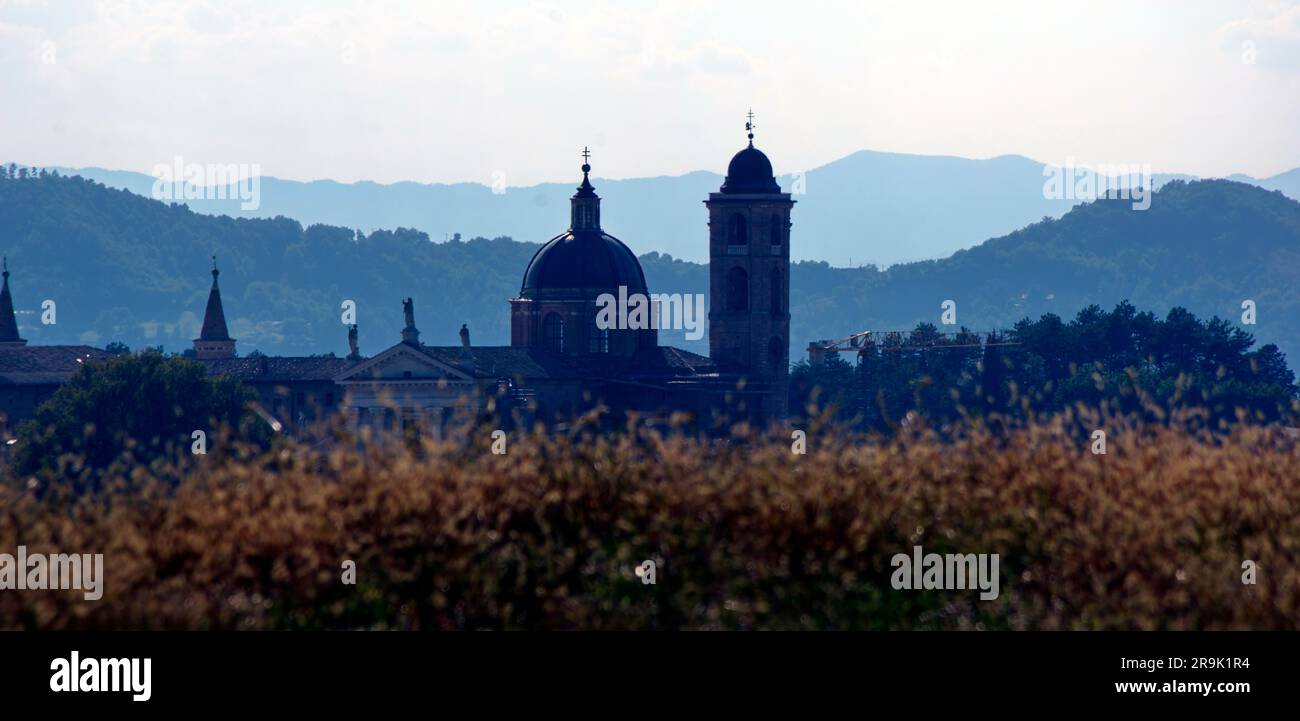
x,y
597,338
776,353
777,235
737,233
553,332
737,289
777,294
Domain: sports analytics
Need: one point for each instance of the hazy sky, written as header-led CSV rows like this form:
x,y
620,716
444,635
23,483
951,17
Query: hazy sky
x,y
441,91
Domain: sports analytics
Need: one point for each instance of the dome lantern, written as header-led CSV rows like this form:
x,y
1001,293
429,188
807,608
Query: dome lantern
x,y
584,261
585,202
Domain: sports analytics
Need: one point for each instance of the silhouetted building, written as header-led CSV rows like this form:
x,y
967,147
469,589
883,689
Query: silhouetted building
x,y
556,309
293,392
30,374
563,359
566,353
749,276
9,337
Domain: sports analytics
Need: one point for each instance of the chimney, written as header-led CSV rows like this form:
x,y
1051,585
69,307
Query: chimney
x,y
817,353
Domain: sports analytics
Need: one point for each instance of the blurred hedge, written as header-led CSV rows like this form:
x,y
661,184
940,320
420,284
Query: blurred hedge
x,y
746,534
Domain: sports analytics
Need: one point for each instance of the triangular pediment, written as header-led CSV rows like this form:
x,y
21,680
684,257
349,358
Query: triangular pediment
x,y
402,362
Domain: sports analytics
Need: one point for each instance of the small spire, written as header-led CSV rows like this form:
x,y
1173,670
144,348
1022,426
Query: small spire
x,y
585,204
586,190
8,321
214,339
749,127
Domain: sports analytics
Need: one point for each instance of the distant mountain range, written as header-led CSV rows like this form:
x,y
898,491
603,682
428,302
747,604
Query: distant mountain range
x,y
867,208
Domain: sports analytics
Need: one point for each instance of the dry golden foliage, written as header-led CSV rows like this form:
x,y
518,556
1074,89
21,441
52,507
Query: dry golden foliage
x,y
746,534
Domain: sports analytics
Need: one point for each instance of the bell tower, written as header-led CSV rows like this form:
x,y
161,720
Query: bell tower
x,y
749,276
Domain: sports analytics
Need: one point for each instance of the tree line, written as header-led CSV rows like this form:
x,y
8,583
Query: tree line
x,y
1127,361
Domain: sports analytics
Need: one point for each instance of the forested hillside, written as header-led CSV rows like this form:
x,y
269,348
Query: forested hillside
x,y
125,268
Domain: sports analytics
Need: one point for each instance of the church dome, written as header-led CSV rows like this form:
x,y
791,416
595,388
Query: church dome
x,y
750,172
578,260
584,258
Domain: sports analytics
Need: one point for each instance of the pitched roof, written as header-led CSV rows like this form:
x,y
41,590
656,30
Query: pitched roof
x,y
54,364
278,368
214,316
660,363
43,364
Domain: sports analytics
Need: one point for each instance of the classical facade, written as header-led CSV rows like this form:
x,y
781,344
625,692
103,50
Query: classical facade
x,y
562,359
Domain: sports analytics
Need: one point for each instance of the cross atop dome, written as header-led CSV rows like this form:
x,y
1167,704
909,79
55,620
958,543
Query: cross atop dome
x,y
749,126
